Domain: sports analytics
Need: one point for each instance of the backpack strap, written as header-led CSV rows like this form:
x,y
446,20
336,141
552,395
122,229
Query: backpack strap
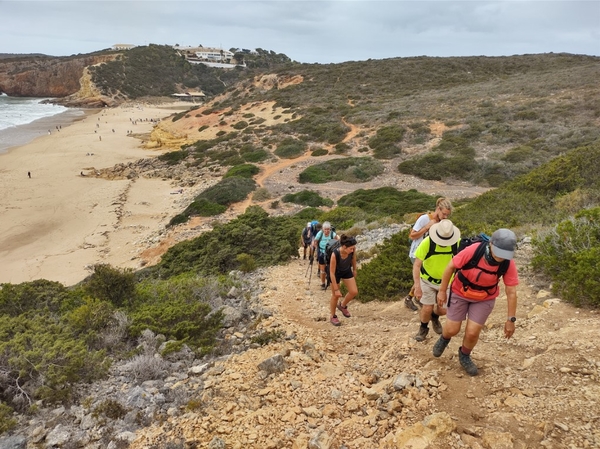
x,y
473,263
432,252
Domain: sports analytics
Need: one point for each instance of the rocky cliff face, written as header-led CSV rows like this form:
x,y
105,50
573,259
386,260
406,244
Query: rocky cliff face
x,y
45,76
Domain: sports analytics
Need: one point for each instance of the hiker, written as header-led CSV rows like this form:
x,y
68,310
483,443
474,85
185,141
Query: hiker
x,y
342,267
320,243
474,291
306,239
431,258
443,209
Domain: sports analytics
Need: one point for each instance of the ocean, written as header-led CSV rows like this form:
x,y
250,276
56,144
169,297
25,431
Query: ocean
x,y
24,119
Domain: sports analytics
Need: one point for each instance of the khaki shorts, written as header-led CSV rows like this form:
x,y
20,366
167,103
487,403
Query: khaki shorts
x,y
430,291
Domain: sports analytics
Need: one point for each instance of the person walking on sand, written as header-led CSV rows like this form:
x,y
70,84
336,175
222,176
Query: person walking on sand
x,y
443,209
320,243
342,267
431,258
29,174
474,290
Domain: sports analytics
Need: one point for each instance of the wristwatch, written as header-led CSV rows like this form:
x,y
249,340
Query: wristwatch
x,y
512,318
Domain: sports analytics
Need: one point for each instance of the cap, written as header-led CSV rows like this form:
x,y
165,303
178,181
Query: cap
x,y
308,224
444,233
504,242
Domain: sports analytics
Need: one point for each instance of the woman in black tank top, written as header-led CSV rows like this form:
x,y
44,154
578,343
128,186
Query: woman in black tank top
x,y
342,268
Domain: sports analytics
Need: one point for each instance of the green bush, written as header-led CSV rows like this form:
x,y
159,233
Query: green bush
x,y
229,190
270,240
290,148
7,422
569,255
114,285
240,125
174,157
261,194
388,201
386,142
307,198
32,297
388,276
349,169
243,171
319,152
247,262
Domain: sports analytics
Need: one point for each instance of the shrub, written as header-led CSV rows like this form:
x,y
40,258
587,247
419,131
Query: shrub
x,y
350,169
7,422
267,337
387,201
270,240
174,157
261,194
243,171
385,143
32,297
290,148
110,409
569,255
240,125
247,262
307,198
389,275
114,285
319,152
229,190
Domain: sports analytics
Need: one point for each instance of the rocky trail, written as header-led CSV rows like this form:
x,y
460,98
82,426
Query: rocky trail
x,y
369,384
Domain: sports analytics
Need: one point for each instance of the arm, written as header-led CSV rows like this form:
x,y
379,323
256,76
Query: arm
x,y
442,296
417,278
421,227
511,298
354,263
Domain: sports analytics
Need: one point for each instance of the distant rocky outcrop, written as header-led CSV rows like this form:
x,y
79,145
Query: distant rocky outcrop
x,y
56,77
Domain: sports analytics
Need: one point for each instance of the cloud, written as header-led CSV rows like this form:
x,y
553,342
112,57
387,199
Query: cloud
x,y
307,31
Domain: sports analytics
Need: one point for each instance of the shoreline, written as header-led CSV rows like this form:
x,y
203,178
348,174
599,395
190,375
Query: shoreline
x,y
57,223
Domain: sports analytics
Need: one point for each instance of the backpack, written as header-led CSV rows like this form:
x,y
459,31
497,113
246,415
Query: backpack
x,y
330,248
482,240
313,228
432,252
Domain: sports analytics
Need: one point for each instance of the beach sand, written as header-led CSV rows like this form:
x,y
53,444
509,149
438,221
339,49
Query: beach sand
x,y
57,223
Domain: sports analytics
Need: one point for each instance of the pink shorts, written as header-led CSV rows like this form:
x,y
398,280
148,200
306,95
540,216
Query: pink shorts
x,y
460,308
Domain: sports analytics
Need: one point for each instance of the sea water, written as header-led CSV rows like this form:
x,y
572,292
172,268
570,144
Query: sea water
x,y
24,119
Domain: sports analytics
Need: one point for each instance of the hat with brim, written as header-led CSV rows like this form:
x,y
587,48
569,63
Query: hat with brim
x,y
504,242
444,233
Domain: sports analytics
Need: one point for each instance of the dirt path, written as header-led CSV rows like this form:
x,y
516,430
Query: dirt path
x,y
538,389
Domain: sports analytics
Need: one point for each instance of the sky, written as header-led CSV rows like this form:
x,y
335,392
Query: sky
x,y
307,31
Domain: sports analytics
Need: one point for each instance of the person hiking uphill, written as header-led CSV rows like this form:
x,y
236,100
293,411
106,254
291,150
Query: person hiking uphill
x,y
443,209
342,267
474,291
431,258
306,239
320,243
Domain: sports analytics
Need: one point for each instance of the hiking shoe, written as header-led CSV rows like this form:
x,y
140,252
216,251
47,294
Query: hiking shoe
x,y
344,310
423,331
323,287
437,326
334,320
467,363
440,346
408,302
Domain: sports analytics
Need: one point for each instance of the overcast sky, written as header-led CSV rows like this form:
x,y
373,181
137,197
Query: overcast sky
x,y
307,31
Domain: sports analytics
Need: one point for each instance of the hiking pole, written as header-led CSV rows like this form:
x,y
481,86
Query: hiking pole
x,y
310,266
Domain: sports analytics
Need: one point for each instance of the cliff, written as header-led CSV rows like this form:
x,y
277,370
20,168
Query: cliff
x,y
46,76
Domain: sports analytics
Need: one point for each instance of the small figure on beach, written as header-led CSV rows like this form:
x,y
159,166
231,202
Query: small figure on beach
x,y
100,137
29,174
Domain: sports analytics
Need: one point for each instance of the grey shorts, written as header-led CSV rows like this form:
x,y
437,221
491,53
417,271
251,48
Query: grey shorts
x,y
430,291
477,311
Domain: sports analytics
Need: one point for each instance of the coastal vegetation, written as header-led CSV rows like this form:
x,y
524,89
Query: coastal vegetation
x,y
525,125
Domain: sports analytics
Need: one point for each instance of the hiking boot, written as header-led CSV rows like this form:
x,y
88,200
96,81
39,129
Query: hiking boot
x,y
440,346
423,331
408,302
467,363
334,320
437,326
344,310
323,287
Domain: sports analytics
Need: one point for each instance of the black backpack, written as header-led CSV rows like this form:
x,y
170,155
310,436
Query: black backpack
x,y
482,240
332,245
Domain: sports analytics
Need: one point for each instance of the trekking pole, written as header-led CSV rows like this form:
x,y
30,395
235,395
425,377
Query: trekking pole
x,y
310,266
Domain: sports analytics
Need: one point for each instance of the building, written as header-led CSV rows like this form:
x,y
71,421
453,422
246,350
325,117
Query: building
x,y
123,47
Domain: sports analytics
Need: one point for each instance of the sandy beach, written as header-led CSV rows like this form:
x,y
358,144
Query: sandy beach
x,y
57,223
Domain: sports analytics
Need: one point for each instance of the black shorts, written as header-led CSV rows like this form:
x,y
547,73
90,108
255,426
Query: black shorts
x,y
346,274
